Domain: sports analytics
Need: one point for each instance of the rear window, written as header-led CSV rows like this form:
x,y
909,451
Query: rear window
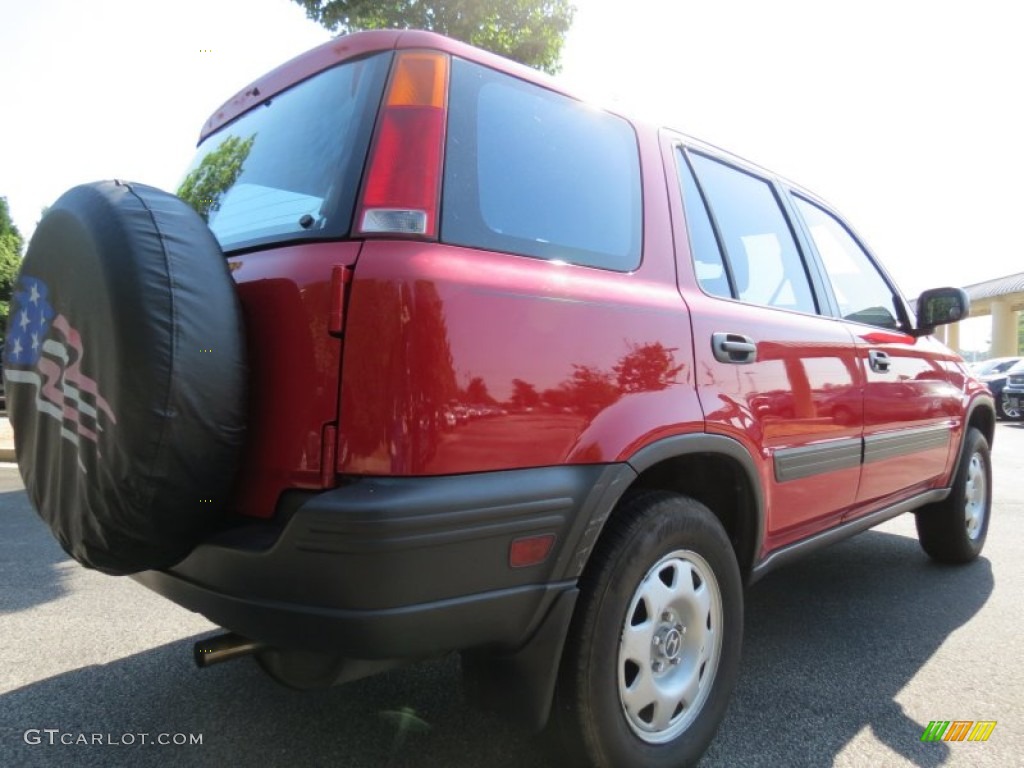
x,y
290,168
535,173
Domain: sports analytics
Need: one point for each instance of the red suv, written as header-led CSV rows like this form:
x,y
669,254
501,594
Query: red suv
x,y
437,358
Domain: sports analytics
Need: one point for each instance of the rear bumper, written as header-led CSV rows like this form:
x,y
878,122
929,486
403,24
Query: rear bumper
x,y
393,568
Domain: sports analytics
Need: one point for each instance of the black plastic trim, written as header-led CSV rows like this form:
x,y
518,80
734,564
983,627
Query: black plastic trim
x,y
521,685
715,445
346,568
595,511
379,533
807,461
895,444
504,618
842,531
983,400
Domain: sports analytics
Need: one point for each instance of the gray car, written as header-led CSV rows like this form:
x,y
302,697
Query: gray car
x,y
1011,402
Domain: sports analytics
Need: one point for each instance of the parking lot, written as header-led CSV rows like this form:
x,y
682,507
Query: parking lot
x,y
848,655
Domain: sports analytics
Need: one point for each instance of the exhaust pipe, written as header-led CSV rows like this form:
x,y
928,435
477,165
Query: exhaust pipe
x,y
214,650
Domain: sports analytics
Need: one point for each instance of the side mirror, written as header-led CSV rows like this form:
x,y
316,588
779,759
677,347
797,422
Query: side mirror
x,y
939,306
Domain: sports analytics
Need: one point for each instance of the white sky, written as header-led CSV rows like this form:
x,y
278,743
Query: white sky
x,y
907,116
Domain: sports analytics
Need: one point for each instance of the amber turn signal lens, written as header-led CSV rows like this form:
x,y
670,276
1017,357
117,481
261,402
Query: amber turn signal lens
x,y
419,80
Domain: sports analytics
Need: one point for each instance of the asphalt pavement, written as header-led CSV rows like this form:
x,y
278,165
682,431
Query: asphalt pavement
x,y
848,654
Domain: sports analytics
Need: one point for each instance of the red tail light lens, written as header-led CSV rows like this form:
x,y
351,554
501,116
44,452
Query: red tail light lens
x,y
403,184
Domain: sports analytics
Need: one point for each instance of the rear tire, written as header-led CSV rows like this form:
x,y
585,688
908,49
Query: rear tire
x,y
954,530
653,651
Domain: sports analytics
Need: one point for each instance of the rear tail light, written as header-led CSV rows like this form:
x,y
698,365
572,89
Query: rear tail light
x,y
404,179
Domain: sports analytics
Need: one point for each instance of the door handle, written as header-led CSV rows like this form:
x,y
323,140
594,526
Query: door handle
x,y
733,348
879,361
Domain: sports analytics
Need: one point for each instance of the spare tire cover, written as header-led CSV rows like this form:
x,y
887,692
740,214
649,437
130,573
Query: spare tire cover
x,y
126,376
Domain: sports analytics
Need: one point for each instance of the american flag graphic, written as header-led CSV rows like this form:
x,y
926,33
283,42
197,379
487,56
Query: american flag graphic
x,y
44,351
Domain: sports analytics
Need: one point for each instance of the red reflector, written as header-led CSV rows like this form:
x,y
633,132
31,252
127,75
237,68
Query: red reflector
x,y
530,550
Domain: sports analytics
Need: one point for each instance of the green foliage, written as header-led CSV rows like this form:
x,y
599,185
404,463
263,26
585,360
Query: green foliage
x,y
11,243
215,174
528,31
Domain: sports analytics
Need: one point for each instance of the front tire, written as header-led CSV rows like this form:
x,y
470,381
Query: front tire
x,y
1006,412
954,530
653,651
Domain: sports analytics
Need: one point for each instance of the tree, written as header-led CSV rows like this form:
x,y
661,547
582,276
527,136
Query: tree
x,y
476,392
524,395
528,31
589,389
215,174
647,367
11,243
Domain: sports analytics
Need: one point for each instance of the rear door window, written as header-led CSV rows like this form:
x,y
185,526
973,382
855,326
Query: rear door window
x,y
531,172
707,256
764,262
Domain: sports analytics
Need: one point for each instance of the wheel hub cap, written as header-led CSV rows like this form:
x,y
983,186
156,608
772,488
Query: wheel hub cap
x,y
975,497
670,643
670,646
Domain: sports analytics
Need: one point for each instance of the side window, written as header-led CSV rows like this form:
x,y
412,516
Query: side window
x,y
863,294
707,256
763,258
532,172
